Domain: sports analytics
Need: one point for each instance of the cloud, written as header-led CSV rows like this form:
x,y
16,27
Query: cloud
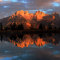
x,y
30,5
5,6
57,1
56,4
0,0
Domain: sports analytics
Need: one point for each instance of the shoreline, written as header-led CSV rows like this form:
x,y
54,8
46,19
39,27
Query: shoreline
x,y
28,31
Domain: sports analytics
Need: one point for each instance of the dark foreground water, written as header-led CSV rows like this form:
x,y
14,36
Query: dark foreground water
x,y
30,47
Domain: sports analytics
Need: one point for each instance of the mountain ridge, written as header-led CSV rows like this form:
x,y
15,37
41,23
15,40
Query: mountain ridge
x,y
31,20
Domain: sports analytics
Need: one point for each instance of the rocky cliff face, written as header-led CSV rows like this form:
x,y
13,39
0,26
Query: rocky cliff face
x,y
33,20
29,16
29,19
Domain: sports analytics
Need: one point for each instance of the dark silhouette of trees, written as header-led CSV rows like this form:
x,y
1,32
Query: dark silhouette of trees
x,y
1,27
6,28
49,26
13,26
59,28
1,37
20,27
46,27
41,27
55,28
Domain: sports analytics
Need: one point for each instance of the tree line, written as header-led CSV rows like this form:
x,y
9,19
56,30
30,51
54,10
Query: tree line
x,y
21,27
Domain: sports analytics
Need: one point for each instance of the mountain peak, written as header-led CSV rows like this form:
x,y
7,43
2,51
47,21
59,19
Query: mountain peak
x,y
29,19
29,16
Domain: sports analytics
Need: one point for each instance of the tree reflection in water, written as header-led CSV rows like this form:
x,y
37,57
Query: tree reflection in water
x,y
25,40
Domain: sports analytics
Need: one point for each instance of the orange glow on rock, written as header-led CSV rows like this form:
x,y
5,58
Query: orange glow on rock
x,y
28,24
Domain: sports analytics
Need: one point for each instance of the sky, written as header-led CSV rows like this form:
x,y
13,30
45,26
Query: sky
x,y
8,7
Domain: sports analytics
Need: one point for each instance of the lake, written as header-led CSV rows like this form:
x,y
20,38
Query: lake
x,y
43,46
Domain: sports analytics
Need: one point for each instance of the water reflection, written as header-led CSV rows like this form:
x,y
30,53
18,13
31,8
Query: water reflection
x,y
26,40
30,46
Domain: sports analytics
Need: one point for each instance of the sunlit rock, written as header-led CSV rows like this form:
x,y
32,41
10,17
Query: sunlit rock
x,y
33,20
39,15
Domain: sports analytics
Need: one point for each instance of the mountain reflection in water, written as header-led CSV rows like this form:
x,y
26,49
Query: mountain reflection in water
x,y
26,40
30,46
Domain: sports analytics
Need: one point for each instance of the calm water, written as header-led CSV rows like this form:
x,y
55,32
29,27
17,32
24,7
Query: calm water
x,y
30,47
